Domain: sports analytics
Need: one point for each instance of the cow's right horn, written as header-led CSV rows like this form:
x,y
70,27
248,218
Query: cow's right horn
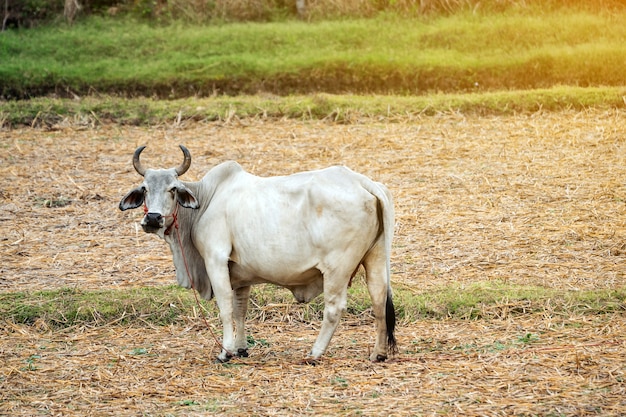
x,y
137,163
186,162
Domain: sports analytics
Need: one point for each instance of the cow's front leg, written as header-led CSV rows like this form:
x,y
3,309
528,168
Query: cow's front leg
x,y
240,305
335,302
220,282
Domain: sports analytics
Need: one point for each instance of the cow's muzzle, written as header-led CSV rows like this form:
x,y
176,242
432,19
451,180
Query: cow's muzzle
x,y
152,222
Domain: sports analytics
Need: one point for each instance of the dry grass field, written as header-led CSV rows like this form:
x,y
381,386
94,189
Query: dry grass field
x,y
535,199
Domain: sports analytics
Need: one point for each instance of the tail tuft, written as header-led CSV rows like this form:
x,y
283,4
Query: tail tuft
x,y
390,320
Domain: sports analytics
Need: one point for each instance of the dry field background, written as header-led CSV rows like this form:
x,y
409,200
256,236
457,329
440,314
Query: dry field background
x,y
529,199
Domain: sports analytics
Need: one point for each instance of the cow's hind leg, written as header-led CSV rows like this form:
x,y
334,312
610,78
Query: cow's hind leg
x,y
335,302
240,307
375,264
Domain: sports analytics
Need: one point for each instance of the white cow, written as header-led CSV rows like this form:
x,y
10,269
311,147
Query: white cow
x,y
308,232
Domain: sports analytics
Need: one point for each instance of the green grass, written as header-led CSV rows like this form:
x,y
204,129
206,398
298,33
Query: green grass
x,y
338,108
166,305
69,307
497,299
384,55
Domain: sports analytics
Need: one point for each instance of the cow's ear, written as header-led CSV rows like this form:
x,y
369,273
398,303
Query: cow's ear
x,y
186,198
133,199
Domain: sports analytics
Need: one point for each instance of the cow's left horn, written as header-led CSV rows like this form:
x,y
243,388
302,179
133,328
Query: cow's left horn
x,y
186,162
137,163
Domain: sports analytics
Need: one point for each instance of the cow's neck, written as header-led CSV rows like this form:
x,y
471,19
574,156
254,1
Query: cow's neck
x,y
187,259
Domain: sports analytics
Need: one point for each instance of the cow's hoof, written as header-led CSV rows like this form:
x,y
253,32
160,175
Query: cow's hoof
x,y
242,353
224,359
310,361
380,358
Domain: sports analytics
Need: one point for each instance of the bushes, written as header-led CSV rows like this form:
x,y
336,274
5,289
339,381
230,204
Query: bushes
x,y
27,13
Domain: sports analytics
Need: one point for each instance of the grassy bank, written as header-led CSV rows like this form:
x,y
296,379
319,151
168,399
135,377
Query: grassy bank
x,y
463,52
165,305
92,110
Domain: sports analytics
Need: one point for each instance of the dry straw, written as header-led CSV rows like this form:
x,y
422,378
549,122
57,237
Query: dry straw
x,y
530,199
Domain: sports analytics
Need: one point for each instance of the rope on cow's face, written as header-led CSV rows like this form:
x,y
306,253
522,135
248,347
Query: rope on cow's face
x,y
174,224
174,217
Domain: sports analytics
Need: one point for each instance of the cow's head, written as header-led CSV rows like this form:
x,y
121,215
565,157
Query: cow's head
x,y
159,193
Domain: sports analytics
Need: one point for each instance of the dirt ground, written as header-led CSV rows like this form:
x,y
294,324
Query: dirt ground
x,y
529,199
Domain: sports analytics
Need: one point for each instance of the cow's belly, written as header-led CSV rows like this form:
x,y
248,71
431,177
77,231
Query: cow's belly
x,y
304,286
241,276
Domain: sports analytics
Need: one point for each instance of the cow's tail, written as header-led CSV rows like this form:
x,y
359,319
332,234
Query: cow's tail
x,y
390,321
387,217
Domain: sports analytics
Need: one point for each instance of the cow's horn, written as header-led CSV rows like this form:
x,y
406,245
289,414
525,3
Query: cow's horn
x,y
136,163
186,162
